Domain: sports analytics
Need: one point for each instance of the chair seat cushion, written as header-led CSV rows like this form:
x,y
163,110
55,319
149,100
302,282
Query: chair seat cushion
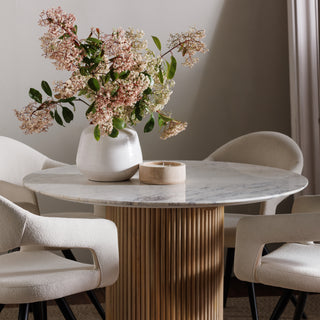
x,y
294,266
230,226
30,276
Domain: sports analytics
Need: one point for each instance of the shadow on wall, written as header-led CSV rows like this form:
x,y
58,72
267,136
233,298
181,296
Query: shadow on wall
x,y
245,86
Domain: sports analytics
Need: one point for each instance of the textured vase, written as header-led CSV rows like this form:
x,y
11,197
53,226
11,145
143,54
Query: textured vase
x,y
109,159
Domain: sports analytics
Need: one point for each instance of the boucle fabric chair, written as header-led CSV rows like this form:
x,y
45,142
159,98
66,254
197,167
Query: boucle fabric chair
x,y
18,160
40,275
294,266
302,204
266,148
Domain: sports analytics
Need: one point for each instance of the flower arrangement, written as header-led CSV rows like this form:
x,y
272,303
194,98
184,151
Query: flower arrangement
x,y
116,75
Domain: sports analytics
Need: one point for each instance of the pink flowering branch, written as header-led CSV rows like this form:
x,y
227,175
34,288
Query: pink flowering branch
x,y
121,78
176,46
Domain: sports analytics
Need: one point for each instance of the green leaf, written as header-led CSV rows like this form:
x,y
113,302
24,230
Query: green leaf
x,y
52,114
150,124
93,84
75,29
86,60
118,123
172,68
67,99
147,91
91,108
93,67
93,40
46,88
58,118
168,65
124,74
35,95
67,114
160,76
114,133
157,42
105,78
83,71
137,112
163,120
114,75
96,132
82,92
97,60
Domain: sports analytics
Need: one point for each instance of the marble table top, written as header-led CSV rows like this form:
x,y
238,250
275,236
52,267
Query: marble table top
x,y
208,184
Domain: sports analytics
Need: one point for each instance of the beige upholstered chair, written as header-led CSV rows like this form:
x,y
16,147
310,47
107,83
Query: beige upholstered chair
x,y
16,161
294,265
266,148
39,275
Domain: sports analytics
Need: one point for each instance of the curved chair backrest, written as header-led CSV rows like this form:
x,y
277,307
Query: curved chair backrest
x,y
306,204
265,148
16,161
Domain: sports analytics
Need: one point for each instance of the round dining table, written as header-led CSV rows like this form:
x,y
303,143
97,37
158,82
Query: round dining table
x,y
170,236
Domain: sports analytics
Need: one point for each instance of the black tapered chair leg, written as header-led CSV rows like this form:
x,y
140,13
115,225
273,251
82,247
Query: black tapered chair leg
x,y
65,309
294,302
23,311
281,305
39,310
300,305
1,307
96,303
253,301
283,299
36,310
227,274
44,310
92,296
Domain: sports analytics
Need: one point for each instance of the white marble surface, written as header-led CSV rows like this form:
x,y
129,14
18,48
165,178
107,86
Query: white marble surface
x,y
208,183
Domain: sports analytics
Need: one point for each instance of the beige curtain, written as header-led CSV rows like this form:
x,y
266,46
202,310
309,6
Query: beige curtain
x,y
303,32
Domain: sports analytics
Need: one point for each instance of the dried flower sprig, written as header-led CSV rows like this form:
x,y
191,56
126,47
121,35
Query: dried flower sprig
x,y
120,79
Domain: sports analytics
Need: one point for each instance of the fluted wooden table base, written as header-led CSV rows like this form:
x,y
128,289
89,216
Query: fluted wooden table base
x,y
171,264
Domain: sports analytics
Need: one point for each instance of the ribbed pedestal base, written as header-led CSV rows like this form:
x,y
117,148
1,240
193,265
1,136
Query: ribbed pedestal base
x,y
171,264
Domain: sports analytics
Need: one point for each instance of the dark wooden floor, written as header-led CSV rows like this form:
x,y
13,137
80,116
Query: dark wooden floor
x,y
237,289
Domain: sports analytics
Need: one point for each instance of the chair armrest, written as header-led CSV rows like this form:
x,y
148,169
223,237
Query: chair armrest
x,y
256,231
98,235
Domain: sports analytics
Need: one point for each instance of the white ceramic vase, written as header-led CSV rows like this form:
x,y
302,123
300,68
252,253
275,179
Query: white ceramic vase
x,y
109,159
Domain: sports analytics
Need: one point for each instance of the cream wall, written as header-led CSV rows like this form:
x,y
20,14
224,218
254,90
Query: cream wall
x,y
240,86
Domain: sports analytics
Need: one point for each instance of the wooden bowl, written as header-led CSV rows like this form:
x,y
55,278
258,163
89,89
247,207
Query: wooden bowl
x,y
162,172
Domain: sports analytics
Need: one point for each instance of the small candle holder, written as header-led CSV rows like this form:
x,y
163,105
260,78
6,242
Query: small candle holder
x,y
162,172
